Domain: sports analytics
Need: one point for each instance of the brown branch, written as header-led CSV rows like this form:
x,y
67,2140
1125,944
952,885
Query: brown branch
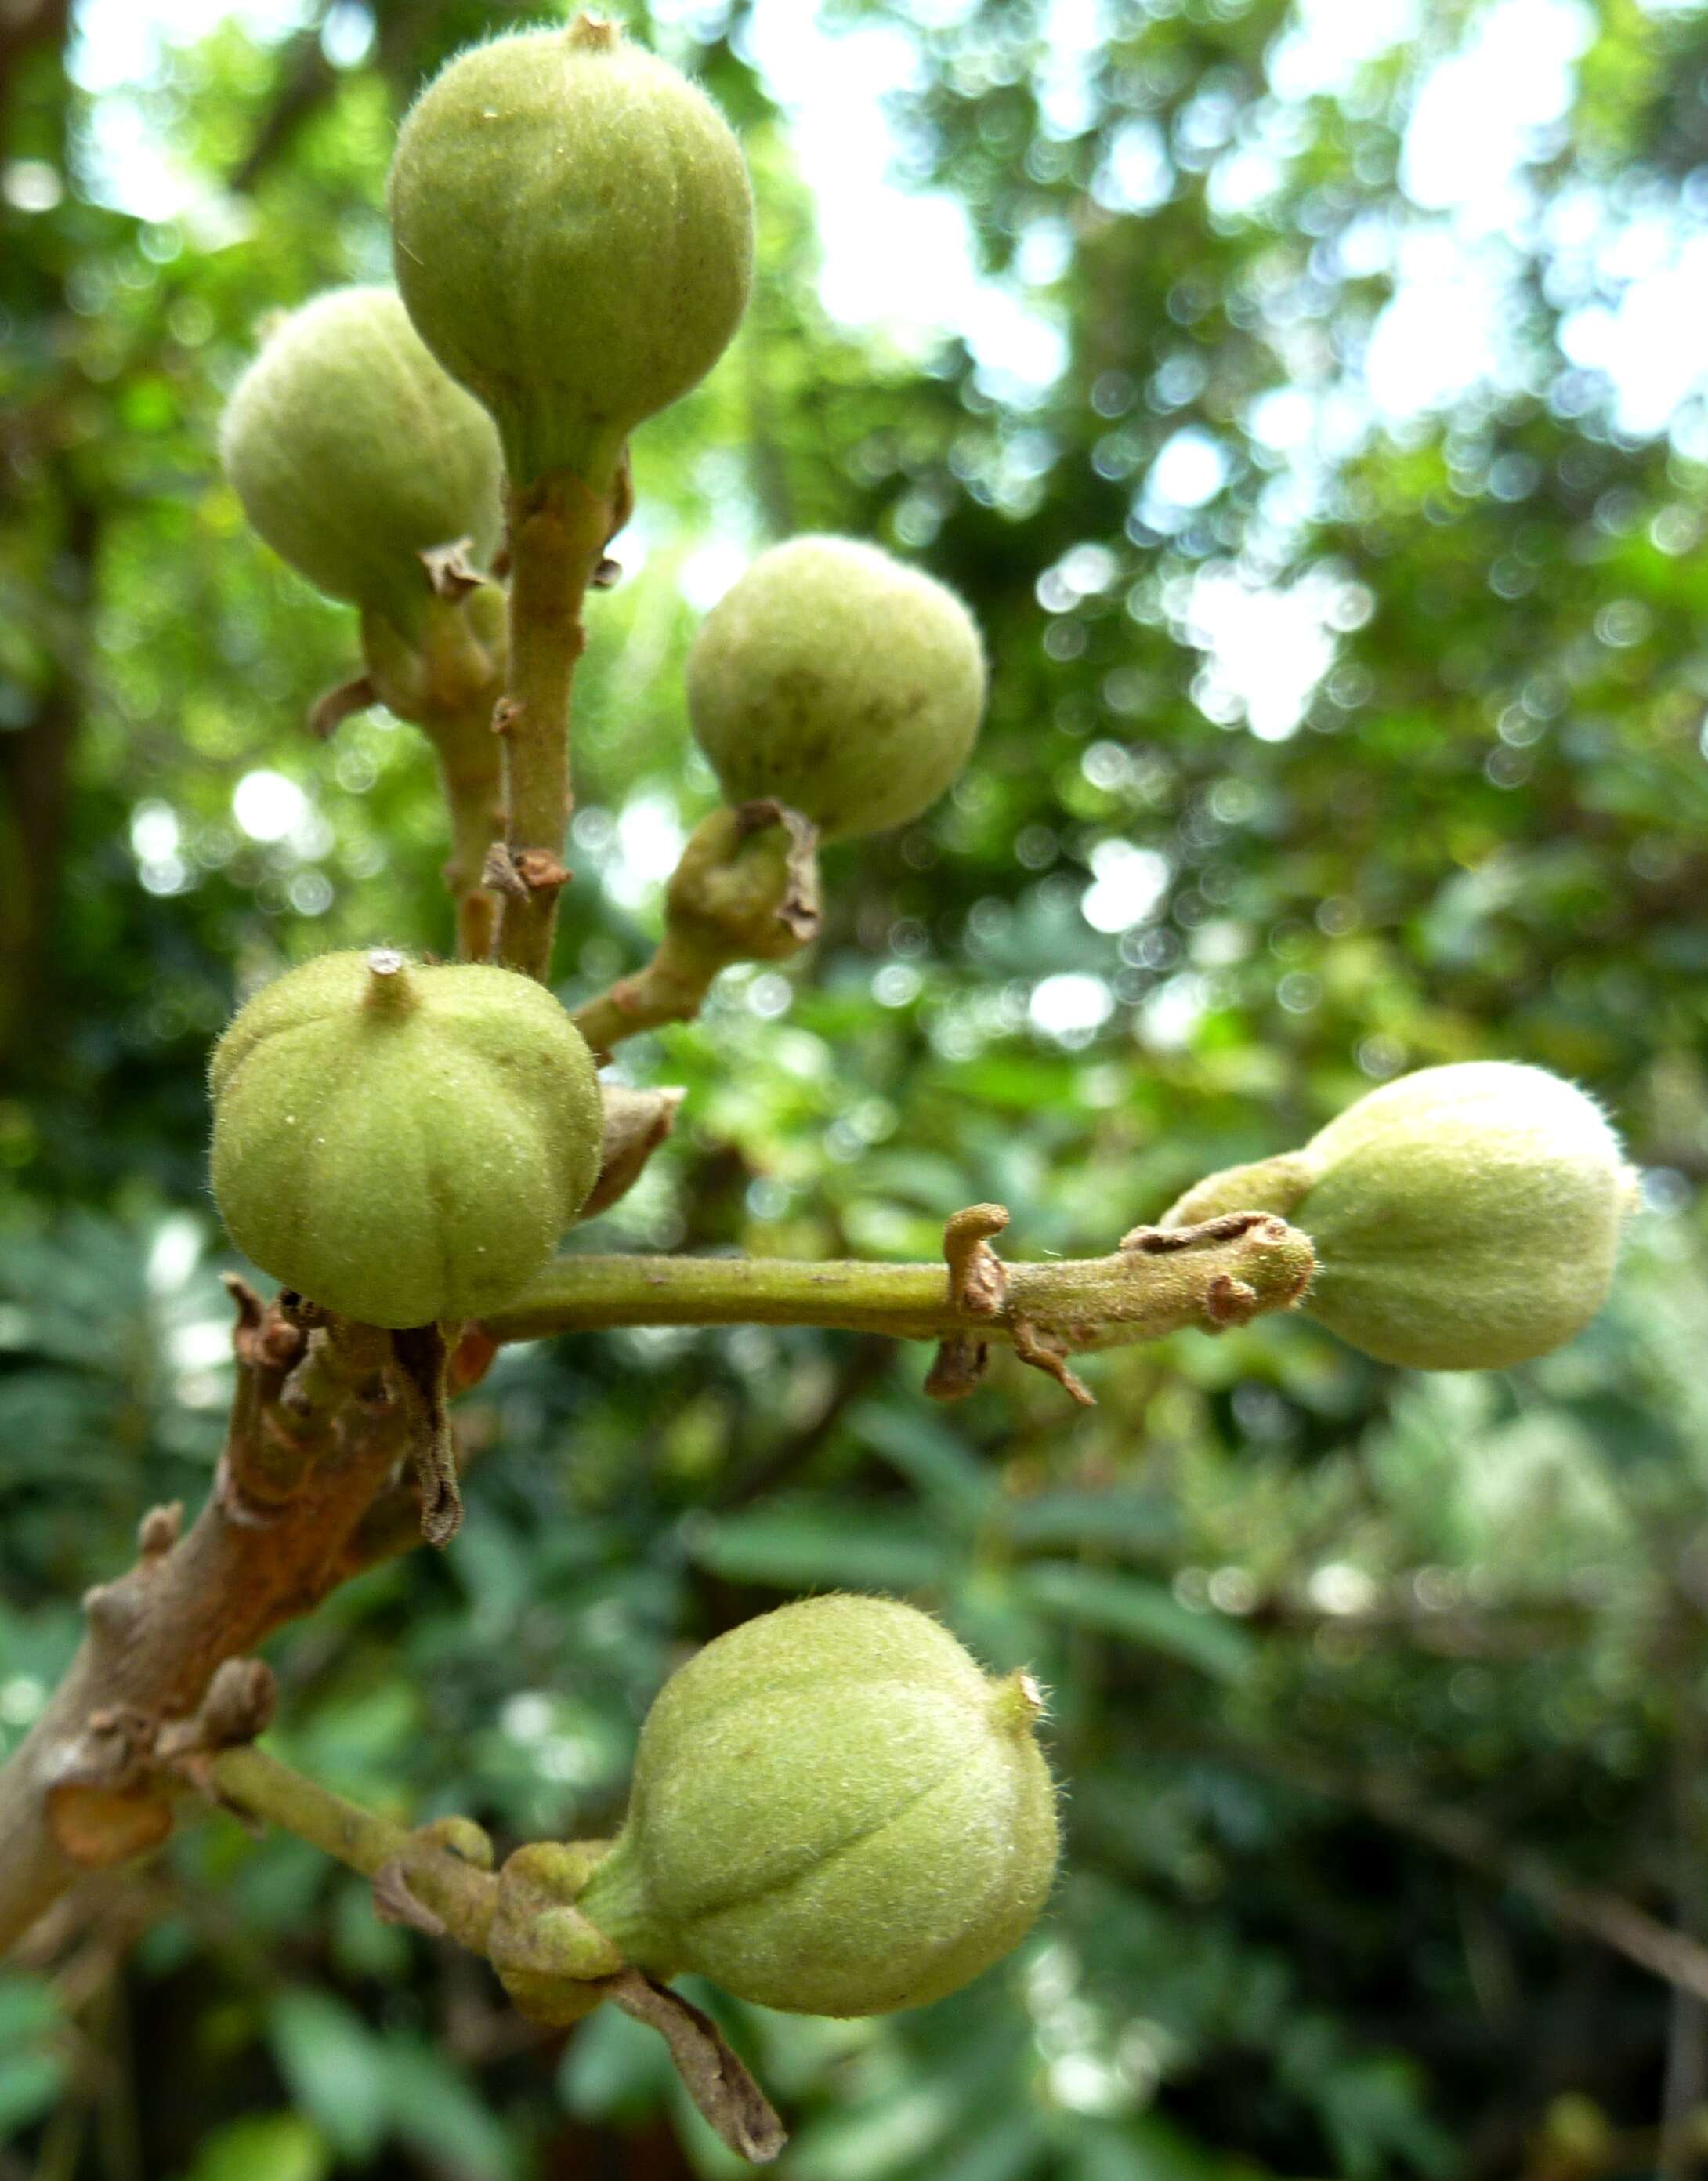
x,y
1672,1956
1685,2086
316,1430
309,1488
307,83
864,1367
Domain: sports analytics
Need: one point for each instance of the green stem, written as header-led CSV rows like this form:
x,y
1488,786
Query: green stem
x,y
744,890
446,680
558,530
554,1963
671,988
474,800
1093,1302
460,1896
1271,1185
614,1902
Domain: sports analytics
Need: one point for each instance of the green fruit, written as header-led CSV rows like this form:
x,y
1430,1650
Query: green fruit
x,y
399,1143
573,232
353,454
1464,1218
835,1811
838,683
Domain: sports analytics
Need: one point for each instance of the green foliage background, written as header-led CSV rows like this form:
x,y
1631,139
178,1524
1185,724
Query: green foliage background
x,y
1296,1610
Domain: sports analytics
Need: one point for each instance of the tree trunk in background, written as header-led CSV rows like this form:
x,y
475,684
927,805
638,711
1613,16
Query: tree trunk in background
x,y
36,751
35,797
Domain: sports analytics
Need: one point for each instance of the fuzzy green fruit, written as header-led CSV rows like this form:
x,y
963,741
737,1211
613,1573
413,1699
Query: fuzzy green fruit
x,y
838,683
354,454
572,227
399,1143
1463,1217
835,1811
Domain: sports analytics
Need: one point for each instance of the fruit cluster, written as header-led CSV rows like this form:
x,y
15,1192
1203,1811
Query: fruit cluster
x,y
833,1809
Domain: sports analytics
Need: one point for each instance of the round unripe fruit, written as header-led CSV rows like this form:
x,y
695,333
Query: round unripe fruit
x,y
354,454
835,1811
572,229
400,1143
1463,1217
838,683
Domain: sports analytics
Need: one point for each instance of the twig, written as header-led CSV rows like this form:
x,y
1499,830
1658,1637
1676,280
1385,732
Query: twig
x,y
307,81
1672,1956
862,1368
1077,1303
318,1432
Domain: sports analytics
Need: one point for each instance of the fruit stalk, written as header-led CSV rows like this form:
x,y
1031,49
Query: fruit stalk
x,y
558,530
671,988
438,1879
1095,1302
461,1896
473,810
746,889
462,685
447,682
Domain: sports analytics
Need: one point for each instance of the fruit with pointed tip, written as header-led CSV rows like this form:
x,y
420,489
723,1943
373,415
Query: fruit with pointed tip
x,y
1464,1217
835,1811
402,1143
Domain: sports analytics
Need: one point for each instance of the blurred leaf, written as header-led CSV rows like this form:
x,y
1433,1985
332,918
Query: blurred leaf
x,y
31,2084
335,2070
1141,1612
928,1453
1018,2144
808,1548
33,2071
265,2147
1149,2149
1141,1523
434,2108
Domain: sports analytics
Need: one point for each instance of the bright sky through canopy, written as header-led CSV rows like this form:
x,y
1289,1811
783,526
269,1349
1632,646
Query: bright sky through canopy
x,y
901,259
1489,100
